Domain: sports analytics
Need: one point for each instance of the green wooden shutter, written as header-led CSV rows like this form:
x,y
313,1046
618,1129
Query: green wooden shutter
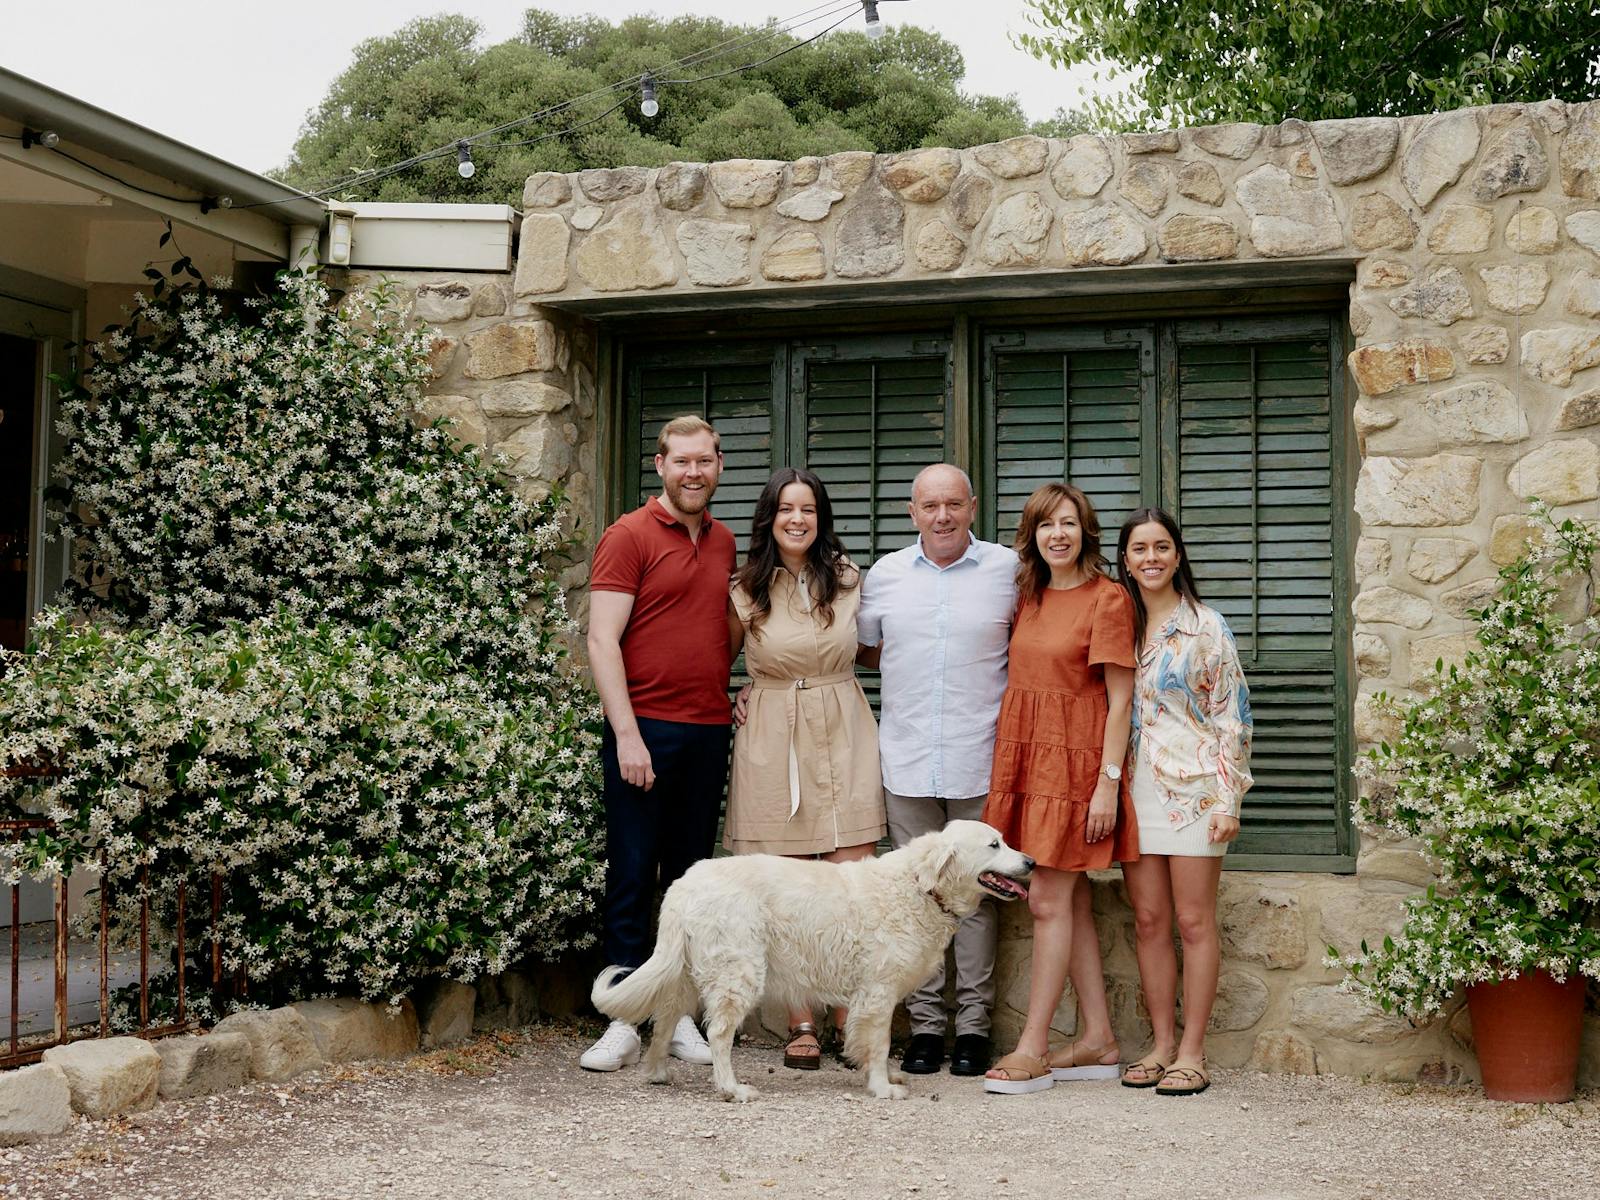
x,y
737,389
1258,438
1067,404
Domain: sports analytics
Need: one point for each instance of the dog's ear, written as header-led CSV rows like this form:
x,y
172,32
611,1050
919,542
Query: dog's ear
x,y
935,859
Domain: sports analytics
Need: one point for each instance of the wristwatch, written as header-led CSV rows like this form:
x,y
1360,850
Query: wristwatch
x,y
1112,772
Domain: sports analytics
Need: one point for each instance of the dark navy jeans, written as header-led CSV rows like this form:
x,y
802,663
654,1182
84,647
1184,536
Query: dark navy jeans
x,y
659,834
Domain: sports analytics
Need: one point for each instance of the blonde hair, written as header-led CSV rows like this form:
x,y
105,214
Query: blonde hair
x,y
687,426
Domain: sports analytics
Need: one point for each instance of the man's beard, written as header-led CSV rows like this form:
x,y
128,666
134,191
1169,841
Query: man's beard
x,y
691,502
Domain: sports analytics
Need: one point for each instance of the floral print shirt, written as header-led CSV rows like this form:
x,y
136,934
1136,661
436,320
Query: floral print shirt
x,y
1191,716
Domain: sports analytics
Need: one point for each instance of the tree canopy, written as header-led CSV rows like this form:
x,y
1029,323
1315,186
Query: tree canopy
x,y
1195,63
433,82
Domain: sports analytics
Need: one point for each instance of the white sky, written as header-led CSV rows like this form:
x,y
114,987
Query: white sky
x,y
237,79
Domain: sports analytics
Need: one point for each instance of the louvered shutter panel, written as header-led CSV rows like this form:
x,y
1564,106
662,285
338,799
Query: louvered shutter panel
x,y
1066,405
1258,438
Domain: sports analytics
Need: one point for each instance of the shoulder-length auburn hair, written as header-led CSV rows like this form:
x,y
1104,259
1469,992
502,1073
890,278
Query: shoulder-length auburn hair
x,y
828,567
1182,578
1033,573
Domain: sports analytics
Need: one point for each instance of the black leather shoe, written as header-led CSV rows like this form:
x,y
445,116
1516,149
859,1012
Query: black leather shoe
x,y
971,1055
924,1055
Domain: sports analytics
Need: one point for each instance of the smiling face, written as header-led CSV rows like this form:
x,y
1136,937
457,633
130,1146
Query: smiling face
x,y
794,529
689,471
1151,559
1059,537
942,508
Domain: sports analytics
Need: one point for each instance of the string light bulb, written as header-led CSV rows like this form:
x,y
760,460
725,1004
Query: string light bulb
x,y
647,89
464,167
874,23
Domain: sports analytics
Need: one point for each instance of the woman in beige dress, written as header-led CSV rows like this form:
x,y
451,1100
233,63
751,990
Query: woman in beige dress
x,y
805,779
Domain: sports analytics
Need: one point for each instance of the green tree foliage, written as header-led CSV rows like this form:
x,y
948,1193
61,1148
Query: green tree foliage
x,y
433,82
1263,60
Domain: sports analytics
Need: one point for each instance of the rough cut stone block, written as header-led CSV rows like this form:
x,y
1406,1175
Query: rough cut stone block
x,y
922,176
1372,656
1017,232
1433,560
466,418
1145,185
1461,229
1372,725
1442,298
870,240
681,186
1438,153
506,1001
441,353
795,256
1237,140
1082,169
805,171
1584,228
1353,150
1101,236
716,253
1391,606
939,248
1563,472
1190,238
1432,657
546,190
1555,355
1241,1001
1279,1052
1395,867
605,184
849,169
1352,916
812,204
488,300
203,1066
1580,152
1514,161
1580,411
1460,602
511,349
1583,297
628,253
1014,158
542,449
1533,231
438,303
1373,556
445,1010
1285,218
1378,223
1480,411
1369,418
1164,142
1381,368
1199,181
35,1102
1486,344
348,1030
1264,925
108,1076
281,1045
1516,289
1512,534
1328,1012
523,398
542,254
1381,274
1419,492
969,200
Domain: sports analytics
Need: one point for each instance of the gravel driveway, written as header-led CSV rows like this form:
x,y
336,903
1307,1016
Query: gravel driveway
x,y
513,1116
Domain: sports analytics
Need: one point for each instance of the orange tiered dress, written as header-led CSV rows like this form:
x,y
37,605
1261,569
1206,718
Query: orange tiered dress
x,y
1047,750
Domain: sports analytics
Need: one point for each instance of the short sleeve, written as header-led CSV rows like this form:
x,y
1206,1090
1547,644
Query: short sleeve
x,y
869,619
618,563
742,604
1111,635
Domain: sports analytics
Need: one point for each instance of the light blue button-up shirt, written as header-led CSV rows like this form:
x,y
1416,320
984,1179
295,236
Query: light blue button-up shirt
x,y
945,632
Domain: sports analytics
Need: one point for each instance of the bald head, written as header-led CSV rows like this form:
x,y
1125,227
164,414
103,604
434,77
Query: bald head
x,y
942,507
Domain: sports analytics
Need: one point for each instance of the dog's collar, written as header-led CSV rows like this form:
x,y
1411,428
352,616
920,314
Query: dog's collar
x,y
943,907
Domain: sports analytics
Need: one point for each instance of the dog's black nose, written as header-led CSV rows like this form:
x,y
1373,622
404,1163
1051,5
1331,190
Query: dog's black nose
x,y
1029,861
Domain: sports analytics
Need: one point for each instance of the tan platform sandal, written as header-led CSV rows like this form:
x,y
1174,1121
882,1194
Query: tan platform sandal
x,y
1077,1062
1024,1074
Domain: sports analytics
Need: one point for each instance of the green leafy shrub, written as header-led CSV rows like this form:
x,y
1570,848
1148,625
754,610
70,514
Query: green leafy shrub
x,y
1497,770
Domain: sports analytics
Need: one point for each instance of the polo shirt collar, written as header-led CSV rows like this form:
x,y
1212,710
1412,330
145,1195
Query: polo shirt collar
x,y
656,509
971,554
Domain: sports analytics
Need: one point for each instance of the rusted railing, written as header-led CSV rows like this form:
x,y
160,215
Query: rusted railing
x,y
14,831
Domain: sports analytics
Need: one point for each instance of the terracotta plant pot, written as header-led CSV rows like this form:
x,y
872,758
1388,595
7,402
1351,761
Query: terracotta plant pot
x,y
1527,1031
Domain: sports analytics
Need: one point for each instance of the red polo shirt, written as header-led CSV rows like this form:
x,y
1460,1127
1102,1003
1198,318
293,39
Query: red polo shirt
x,y
675,648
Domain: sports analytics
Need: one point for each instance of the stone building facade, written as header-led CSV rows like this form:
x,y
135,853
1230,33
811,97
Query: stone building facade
x,y
1465,252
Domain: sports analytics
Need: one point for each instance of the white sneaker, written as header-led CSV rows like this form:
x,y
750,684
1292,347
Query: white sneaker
x,y
688,1045
618,1047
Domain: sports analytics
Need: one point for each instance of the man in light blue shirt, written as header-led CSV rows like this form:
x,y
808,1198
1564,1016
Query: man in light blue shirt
x,y
936,620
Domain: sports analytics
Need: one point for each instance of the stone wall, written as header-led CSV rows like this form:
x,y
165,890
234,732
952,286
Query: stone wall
x,y
1475,237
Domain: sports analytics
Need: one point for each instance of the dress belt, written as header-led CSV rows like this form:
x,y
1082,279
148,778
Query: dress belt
x,y
805,681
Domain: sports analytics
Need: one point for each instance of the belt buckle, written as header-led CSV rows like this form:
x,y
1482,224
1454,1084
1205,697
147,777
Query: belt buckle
x,y
800,684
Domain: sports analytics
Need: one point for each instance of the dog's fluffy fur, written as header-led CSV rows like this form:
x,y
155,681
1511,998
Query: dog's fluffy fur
x,y
860,934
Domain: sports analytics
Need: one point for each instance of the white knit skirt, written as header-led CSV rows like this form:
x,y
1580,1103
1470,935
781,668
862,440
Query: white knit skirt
x,y
1156,834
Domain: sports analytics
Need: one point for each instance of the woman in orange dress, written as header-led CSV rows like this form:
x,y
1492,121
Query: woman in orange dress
x,y
1057,791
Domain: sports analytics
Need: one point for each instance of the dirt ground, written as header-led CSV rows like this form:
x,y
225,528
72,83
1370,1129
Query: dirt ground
x,y
512,1115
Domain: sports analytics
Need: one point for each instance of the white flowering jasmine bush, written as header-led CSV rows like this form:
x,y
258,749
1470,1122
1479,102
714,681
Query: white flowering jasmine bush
x,y
1497,770
318,652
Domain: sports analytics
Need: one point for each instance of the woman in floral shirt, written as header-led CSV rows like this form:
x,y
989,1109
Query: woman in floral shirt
x,y
1191,768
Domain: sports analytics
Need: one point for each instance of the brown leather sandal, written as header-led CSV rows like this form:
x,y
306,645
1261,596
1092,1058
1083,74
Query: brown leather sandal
x,y
1145,1073
1184,1078
803,1062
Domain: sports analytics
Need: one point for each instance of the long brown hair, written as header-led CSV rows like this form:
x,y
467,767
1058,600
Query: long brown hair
x,y
1033,573
1182,578
828,568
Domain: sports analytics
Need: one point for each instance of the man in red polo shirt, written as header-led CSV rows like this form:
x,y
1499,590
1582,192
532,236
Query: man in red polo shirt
x,y
658,647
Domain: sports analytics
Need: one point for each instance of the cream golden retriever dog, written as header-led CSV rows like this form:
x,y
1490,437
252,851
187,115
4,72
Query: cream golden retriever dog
x,y
860,934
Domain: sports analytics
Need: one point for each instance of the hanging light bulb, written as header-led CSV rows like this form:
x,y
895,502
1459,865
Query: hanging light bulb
x,y
464,167
874,25
647,89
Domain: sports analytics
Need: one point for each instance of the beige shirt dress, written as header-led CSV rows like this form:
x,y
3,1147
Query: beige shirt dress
x,y
805,775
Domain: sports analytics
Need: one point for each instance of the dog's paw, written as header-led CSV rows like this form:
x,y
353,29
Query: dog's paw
x,y
742,1093
661,1076
891,1091
897,1077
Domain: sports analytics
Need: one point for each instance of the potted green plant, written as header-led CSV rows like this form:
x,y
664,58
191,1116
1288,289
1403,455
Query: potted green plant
x,y
1496,770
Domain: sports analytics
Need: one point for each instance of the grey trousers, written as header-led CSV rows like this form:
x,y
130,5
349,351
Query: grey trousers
x,y
909,817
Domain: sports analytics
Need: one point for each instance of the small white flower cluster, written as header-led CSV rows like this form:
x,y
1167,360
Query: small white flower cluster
x,y
323,658
1497,771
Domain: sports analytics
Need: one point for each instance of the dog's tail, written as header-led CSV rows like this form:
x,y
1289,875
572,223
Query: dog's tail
x,y
662,984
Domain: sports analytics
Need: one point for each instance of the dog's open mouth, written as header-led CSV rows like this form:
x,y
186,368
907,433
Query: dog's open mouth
x,y
1002,886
